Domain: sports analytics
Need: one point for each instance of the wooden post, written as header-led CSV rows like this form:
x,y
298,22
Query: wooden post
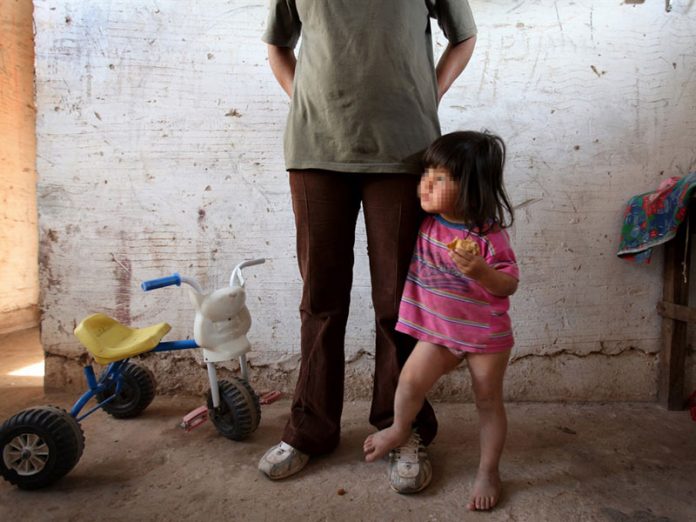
x,y
674,331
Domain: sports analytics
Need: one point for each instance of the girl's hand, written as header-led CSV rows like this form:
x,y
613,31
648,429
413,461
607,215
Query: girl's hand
x,y
476,268
472,266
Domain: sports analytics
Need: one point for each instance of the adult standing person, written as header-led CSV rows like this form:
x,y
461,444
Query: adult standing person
x,y
364,94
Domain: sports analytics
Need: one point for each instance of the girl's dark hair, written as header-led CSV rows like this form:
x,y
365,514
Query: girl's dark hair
x,y
475,160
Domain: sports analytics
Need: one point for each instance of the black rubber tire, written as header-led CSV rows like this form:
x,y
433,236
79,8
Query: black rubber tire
x,y
253,401
239,413
60,438
137,392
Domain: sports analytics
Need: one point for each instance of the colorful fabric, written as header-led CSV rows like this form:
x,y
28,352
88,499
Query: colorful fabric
x,y
653,218
443,306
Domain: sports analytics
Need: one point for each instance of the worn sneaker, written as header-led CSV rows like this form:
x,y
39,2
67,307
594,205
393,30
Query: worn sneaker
x,y
409,467
282,460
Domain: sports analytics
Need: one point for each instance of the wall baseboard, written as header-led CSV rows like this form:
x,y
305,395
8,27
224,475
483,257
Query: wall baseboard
x,y
20,319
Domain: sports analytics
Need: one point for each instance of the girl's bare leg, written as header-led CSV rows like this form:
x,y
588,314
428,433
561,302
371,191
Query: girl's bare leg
x,y
426,364
487,371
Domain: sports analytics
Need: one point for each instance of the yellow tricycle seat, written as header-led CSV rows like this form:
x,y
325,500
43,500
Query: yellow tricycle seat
x,y
110,341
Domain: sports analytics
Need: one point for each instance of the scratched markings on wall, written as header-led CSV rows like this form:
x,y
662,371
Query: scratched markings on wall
x,y
159,137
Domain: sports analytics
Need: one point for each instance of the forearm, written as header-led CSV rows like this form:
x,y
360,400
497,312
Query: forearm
x,y
282,61
498,283
452,63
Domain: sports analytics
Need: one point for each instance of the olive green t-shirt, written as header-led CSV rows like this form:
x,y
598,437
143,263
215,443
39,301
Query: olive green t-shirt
x,y
365,92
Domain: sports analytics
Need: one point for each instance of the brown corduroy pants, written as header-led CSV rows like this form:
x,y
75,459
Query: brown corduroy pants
x,y
326,206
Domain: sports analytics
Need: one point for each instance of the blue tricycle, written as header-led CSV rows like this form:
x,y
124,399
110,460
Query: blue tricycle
x,y
42,444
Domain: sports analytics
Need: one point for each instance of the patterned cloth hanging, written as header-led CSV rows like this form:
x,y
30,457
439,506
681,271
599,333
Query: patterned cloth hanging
x,y
653,218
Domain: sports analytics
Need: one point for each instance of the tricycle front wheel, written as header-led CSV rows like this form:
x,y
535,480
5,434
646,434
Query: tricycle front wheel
x,y
239,412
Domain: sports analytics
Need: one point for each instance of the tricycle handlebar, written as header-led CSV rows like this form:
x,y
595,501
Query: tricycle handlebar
x,y
237,272
161,282
177,279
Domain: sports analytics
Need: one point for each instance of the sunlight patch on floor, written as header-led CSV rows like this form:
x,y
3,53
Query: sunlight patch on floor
x,y
33,370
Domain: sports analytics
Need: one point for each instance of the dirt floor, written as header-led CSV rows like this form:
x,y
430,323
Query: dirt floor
x,y
614,462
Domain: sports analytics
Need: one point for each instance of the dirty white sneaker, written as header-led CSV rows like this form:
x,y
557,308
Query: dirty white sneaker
x,y
409,467
282,460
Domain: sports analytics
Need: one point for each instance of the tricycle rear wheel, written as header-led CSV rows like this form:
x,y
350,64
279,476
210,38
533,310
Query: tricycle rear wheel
x,y
137,392
39,446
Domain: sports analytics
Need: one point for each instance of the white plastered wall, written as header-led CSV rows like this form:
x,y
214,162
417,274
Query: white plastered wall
x,y
159,150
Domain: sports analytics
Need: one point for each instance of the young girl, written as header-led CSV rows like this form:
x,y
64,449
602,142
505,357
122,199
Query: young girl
x,y
455,301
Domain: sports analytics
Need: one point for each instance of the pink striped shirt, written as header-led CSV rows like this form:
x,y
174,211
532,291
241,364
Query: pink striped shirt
x,y
443,306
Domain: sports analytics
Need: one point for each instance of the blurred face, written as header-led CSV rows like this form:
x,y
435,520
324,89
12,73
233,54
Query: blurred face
x,y
438,192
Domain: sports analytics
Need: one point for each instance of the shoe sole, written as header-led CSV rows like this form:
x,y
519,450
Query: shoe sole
x,y
425,485
288,473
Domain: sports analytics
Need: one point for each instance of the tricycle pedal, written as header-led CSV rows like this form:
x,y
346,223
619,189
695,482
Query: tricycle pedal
x,y
269,397
194,418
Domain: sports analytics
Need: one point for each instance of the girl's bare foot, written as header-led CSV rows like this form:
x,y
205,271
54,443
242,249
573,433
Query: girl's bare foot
x,y
379,444
486,491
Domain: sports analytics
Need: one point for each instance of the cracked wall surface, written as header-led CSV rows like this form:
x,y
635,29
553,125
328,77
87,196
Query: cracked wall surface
x,y
159,132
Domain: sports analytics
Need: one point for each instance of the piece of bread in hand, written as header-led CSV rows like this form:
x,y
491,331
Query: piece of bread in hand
x,y
467,245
